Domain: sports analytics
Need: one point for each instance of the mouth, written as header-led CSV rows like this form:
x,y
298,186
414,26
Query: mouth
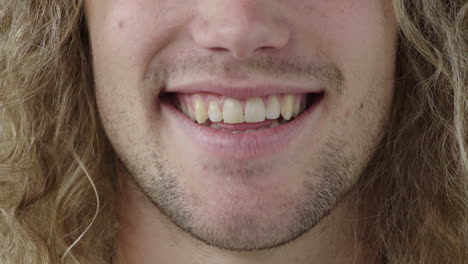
x,y
240,128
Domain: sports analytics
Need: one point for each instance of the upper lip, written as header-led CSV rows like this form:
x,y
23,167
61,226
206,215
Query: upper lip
x,y
241,91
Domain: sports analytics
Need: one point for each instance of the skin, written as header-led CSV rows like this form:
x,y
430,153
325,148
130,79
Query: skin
x,y
180,204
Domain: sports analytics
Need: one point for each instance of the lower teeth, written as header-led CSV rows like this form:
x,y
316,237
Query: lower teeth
x,y
245,131
275,123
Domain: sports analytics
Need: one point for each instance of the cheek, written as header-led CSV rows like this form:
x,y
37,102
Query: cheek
x,y
125,35
363,42
357,35
360,37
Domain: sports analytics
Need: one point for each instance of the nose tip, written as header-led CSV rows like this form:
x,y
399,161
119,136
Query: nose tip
x,y
242,32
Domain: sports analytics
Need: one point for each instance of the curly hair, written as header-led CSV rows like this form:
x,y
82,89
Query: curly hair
x,y
57,193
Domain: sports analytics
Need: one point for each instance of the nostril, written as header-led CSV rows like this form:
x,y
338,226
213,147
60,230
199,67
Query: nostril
x,y
266,48
239,27
219,49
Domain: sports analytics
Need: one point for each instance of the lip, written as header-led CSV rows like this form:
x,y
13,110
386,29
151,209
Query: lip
x,y
241,91
226,145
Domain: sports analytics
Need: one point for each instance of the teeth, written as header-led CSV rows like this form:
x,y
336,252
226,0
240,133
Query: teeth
x,y
201,114
246,131
287,107
191,113
232,111
274,124
254,110
214,113
216,108
273,107
184,109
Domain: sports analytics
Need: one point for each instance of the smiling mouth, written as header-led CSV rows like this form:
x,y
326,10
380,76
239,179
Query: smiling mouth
x,y
241,116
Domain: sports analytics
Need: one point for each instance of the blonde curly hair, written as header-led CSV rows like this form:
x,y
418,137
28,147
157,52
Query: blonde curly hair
x,y
57,198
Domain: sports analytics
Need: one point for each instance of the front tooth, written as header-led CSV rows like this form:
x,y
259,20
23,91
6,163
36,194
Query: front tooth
x,y
232,111
254,110
214,113
287,107
201,114
296,108
273,107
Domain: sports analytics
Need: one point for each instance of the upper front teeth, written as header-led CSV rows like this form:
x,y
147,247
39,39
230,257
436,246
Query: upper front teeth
x,y
287,107
214,114
254,110
273,108
232,111
203,107
201,114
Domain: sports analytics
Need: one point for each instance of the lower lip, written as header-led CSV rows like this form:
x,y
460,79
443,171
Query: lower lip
x,y
227,145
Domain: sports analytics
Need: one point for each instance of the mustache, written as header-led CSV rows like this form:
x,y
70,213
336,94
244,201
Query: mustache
x,y
243,70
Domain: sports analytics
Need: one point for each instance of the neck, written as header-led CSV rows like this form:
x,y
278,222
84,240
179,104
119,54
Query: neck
x,y
148,236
